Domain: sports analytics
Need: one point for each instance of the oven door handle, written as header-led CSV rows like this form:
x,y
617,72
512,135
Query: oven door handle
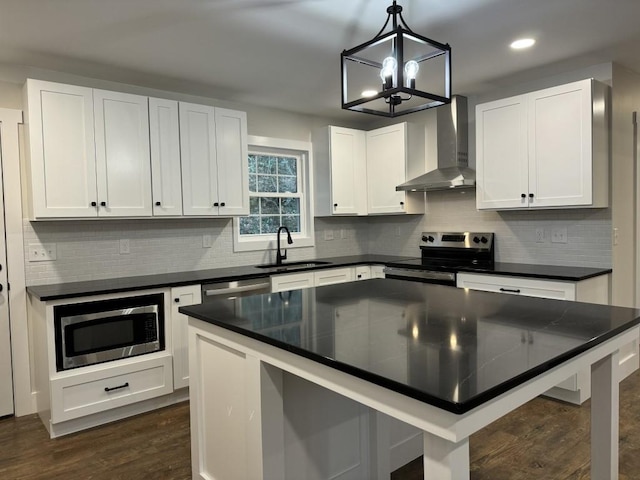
x,y
247,288
420,274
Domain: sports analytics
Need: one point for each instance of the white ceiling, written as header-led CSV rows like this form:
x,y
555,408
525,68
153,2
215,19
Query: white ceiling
x,y
286,53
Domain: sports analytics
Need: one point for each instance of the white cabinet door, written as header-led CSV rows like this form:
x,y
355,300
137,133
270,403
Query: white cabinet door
x,y
182,297
164,136
386,167
560,154
291,281
501,154
348,171
199,164
529,287
123,161
362,273
62,150
232,162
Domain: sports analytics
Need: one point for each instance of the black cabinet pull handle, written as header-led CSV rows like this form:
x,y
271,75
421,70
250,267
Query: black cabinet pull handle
x,y
401,203
177,300
510,290
335,205
107,389
222,204
216,204
523,195
94,204
1,287
158,204
103,204
531,195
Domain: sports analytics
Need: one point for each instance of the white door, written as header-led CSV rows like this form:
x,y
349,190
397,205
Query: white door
x,y
560,147
63,157
6,379
501,154
198,153
232,160
123,160
348,171
386,168
166,177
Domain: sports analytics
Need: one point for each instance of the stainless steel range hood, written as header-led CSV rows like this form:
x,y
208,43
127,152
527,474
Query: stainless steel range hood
x,y
453,153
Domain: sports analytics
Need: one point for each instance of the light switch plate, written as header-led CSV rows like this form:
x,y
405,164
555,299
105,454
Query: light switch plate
x,y
328,234
125,247
207,241
559,235
42,252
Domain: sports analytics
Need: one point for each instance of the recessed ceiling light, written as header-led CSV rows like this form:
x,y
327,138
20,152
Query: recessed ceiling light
x,y
522,43
369,93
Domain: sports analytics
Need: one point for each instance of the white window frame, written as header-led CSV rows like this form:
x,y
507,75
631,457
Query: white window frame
x,y
306,236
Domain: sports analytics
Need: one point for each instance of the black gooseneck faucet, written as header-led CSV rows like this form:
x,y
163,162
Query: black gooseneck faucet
x,y
280,256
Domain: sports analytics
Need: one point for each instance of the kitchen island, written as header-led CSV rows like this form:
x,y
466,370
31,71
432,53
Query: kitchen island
x,y
444,360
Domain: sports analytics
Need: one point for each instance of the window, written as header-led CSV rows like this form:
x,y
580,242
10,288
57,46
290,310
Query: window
x,y
274,195
279,187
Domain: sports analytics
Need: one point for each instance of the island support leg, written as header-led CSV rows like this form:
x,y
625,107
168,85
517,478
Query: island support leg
x,y
445,460
605,394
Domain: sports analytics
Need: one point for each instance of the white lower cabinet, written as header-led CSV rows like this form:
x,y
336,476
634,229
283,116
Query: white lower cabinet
x,y
377,271
291,281
110,386
362,273
577,388
182,297
331,276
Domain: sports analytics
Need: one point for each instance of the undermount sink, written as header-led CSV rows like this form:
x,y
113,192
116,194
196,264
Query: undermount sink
x,y
292,265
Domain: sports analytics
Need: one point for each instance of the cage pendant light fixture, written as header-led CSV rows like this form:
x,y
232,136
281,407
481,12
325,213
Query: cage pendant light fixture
x,y
396,72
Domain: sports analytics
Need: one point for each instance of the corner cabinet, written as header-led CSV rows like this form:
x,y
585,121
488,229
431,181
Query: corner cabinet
x,y
357,172
544,149
215,177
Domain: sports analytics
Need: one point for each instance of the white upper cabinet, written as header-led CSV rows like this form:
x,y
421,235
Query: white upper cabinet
x,y
340,159
213,145
232,160
391,152
166,177
62,150
545,149
122,154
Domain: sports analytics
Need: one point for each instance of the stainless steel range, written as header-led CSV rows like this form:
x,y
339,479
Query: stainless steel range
x,y
444,254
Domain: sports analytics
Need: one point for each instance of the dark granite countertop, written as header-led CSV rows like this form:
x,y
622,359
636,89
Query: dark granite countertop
x,y
451,348
59,291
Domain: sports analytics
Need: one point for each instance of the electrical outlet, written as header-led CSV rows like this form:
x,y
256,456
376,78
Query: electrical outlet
x,y
616,236
343,233
207,241
124,246
539,235
559,235
42,252
328,234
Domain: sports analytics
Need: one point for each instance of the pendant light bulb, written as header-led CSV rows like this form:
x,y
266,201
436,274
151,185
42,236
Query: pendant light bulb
x,y
411,69
388,70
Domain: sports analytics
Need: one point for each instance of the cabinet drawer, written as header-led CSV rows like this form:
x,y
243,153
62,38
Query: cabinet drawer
x,y
332,276
518,286
295,281
75,396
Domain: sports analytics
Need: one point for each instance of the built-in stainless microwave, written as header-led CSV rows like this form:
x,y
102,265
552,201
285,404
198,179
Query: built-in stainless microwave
x,y
106,330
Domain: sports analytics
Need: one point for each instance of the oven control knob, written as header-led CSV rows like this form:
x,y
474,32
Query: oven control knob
x,y
476,240
431,239
484,240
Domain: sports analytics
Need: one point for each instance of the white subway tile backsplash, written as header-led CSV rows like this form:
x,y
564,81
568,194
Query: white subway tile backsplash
x,y
89,250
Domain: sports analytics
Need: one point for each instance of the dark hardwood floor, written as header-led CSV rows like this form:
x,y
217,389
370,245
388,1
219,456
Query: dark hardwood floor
x,y
543,439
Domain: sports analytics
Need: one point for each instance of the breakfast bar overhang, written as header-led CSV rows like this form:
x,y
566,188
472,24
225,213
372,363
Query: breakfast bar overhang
x,y
445,360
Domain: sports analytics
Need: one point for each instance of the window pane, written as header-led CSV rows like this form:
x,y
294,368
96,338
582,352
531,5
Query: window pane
x,y
292,222
267,183
266,164
269,205
254,206
253,183
269,224
291,206
253,164
288,184
287,166
249,225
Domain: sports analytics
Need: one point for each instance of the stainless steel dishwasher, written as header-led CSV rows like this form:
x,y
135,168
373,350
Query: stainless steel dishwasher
x,y
236,289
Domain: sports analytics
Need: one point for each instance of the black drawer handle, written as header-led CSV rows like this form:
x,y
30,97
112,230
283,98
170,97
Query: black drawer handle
x,y
510,290
107,389
177,300
523,195
223,204
94,204
158,204
216,204
103,204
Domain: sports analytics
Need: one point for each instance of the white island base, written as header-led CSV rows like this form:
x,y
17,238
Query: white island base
x,y
246,405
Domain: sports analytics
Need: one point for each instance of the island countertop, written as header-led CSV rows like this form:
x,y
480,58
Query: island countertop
x,y
448,347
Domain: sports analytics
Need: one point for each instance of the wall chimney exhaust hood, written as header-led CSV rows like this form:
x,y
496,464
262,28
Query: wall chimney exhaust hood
x,y
453,153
